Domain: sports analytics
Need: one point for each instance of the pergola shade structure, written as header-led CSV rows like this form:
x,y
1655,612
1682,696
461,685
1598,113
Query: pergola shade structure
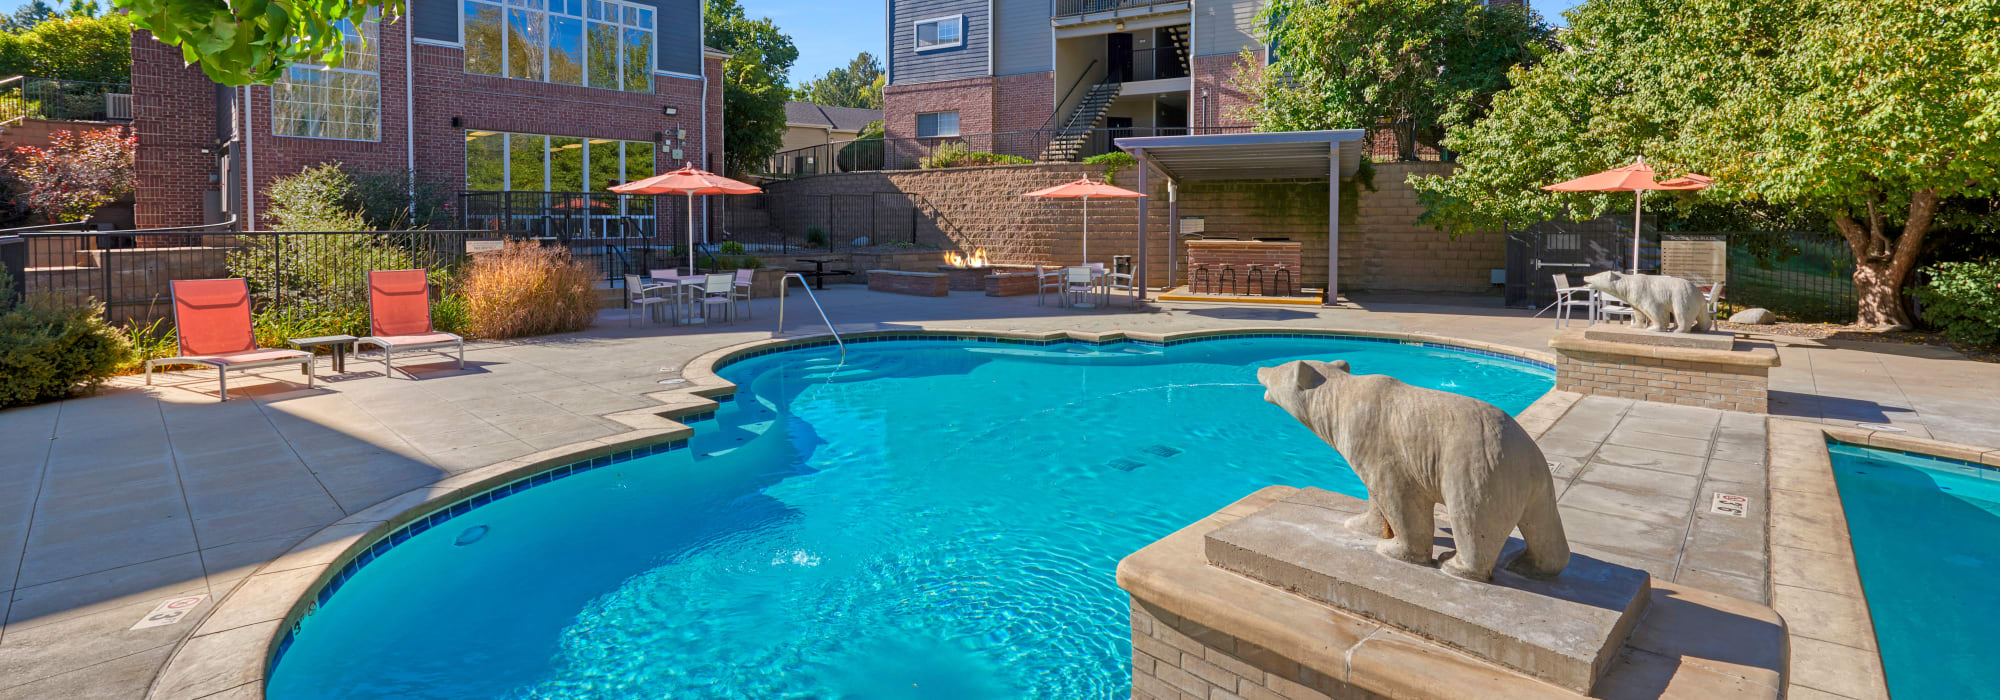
x,y
1332,154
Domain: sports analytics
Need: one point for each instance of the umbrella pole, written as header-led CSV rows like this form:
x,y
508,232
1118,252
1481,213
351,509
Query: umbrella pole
x,y
1638,210
1086,231
691,268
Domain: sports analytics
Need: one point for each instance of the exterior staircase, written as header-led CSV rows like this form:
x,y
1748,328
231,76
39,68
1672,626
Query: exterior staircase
x,y
1074,135
1174,53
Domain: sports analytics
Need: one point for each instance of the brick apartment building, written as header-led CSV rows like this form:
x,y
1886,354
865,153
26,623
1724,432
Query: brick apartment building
x,y
534,95
1153,67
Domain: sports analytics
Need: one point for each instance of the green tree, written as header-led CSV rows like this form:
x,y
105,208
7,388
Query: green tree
x,y
1868,114
82,8
857,85
27,16
1356,63
252,41
97,49
753,82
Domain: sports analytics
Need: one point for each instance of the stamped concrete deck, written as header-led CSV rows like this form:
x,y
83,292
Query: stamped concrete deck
x,y
111,504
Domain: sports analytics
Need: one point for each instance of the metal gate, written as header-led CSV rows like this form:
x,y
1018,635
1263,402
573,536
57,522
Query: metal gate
x,y
1575,248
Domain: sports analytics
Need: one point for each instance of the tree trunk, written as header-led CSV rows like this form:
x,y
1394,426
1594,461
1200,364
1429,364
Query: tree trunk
x,y
1879,291
1882,265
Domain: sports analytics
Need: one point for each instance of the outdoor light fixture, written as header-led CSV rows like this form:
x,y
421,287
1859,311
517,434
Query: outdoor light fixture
x,y
458,122
670,111
1121,25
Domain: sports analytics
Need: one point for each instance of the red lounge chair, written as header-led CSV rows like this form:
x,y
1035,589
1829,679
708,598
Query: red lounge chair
x,y
399,316
213,322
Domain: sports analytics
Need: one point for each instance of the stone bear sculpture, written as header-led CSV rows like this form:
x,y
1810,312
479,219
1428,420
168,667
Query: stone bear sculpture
x,y
1653,297
1415,448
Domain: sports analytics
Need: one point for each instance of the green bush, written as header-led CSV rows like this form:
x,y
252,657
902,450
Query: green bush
x,y
1112,162
816,237
958,155
751,262
1963,299
50,350
731,248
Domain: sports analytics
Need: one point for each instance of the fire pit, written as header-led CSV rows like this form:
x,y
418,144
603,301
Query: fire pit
x,y
967,273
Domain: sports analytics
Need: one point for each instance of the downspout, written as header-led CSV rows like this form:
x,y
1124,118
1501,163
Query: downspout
x,y
704,125
410,113
249,166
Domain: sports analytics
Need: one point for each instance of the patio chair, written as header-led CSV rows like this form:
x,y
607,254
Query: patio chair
x,y
212,318
399,317
715,292
1715,297
1048,280
639,296
1568,295
1079,281
1121,282
739,290
1608,306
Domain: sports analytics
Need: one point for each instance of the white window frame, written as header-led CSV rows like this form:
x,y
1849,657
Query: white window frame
x,y
372,45
956,20
548,36
955,116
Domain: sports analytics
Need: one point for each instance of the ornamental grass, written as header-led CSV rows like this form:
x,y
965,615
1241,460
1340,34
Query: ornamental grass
x,y
527,289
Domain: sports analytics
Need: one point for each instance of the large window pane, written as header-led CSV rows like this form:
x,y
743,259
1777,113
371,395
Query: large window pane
x,y
524,162
604,164
638,60
565,164
603,56
482,38
485,160
525,43
566,51
338,101
638,160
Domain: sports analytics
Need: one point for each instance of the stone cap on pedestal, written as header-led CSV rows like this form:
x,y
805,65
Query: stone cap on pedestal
x,y
1706,340
1565,630
1577,340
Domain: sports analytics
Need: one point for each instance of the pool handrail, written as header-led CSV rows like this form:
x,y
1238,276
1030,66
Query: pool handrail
x,y
784,286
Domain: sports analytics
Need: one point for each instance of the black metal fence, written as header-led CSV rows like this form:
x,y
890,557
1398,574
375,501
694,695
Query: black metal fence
x,y
1540,254
291,273
618,234
783,223
1800,276
70,100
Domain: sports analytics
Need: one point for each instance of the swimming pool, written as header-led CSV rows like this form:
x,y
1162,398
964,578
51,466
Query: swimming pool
x,y
1926,535
929,519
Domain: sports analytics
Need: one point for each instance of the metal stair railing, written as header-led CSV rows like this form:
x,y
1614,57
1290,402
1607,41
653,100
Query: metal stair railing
x,y
784,286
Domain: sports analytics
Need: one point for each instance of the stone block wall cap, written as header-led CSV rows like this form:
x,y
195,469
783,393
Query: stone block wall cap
x,y
906,273
1746,354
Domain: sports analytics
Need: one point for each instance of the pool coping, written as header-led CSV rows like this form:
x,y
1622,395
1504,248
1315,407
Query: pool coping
x,y
1815,582
230,649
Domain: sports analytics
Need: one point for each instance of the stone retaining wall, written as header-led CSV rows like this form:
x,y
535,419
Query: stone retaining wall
x,y
1705,384
1175,658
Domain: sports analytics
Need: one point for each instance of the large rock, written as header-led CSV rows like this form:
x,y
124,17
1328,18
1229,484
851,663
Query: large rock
x,y
1754,317
1415,448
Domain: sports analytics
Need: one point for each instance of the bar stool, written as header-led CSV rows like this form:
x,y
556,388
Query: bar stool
x,y
1199,277
1227,275
1280,272
1254,279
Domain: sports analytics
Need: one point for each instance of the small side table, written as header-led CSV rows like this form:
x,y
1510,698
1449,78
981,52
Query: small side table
x,y
340,344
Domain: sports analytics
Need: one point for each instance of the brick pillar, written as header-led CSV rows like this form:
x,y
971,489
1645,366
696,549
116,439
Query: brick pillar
x,y
173,113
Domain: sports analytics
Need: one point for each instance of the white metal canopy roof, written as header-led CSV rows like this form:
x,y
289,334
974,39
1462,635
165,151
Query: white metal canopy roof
x,y
1250,156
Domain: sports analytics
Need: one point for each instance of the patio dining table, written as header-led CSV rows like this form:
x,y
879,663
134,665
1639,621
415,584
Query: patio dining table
x,y
679,285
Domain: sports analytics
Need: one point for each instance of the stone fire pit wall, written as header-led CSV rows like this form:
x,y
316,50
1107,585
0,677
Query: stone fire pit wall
x,y
1241,255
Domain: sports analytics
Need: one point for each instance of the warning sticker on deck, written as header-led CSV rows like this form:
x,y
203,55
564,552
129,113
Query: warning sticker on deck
x,y
1730,504
171,611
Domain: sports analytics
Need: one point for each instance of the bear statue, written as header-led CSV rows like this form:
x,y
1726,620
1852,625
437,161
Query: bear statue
x,y
1653,297
1415,448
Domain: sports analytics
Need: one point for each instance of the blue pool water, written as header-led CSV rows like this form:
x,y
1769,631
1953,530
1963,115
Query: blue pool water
x,y
1926,536
928,520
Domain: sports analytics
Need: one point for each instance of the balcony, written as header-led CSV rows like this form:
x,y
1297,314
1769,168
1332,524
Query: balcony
x,y
1075,11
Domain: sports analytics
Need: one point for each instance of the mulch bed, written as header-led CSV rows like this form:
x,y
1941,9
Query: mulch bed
x,y
1837,331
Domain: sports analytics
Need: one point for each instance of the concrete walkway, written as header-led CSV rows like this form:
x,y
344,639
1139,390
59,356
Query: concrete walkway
x,y
113,503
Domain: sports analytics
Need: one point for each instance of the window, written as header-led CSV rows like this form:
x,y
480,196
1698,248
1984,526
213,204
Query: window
x,y
333,102
536,163
941,33
937,124
599,43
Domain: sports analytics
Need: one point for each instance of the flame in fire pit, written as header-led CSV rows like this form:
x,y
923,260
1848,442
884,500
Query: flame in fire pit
x,y
977,259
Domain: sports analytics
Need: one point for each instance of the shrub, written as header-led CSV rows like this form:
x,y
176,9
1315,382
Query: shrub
x,y
50,349
1112,162
752,262
1963,299
958,155
527,289
816,237
731,248
79,172
329,197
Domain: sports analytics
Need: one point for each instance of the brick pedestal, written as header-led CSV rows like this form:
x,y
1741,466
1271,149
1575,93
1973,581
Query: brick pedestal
x,y
1730,380
1010,284
1243,255
923,284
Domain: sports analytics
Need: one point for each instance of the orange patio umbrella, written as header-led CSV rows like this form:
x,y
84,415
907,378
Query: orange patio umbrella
x,y
1086,190
1636,178
689,181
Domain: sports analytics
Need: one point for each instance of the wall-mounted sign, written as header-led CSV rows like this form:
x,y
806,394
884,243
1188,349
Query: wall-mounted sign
x,y
1194,224
485,246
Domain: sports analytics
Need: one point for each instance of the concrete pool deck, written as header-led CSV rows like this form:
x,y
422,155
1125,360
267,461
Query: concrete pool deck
x,y
116,502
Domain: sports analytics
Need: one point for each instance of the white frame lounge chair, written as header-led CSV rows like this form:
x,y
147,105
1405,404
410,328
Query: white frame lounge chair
x,y
640,295
1567,296
213,328
399,317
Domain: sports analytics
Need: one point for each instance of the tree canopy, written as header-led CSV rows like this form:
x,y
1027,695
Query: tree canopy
x,y
857,85
754,81
252,41
75,47
1868,114
1356,63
